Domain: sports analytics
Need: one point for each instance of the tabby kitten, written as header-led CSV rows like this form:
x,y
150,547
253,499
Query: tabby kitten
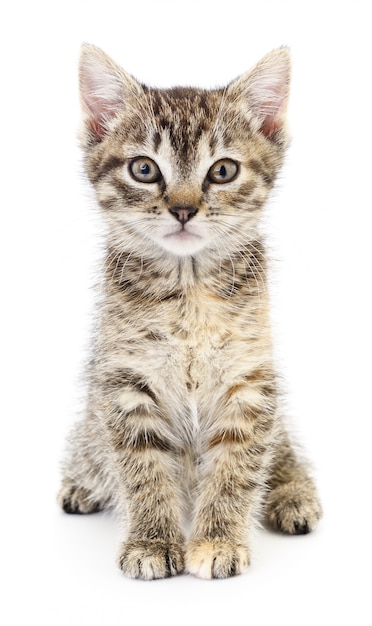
x,y
182,421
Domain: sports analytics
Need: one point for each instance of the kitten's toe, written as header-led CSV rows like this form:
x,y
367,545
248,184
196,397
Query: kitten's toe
x,y
77,500
294,507
216,559
150,559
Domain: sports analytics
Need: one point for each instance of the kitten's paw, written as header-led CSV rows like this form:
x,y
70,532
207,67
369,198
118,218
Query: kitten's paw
x,y
74,499
294,507
149,559
216,559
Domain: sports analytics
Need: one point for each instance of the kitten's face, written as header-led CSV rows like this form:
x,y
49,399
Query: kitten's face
x,y
180,170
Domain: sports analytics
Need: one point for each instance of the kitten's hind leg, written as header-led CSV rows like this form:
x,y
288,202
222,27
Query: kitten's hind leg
x,y
292,505
85,486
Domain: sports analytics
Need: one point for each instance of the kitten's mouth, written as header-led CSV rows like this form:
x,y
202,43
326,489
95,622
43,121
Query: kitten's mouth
x,y
182,234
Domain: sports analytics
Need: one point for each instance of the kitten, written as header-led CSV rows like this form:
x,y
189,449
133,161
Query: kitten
x,y
183,414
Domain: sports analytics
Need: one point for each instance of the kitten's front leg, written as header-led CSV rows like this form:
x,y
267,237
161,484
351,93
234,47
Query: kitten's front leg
x,y
232,482
146,461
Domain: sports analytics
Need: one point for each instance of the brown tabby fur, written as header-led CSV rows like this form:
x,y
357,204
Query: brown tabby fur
x,y
183,412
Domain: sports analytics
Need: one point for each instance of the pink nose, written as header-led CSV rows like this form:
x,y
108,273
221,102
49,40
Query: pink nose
x,y
183,213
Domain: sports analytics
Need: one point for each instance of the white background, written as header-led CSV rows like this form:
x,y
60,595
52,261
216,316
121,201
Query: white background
x,y
60,569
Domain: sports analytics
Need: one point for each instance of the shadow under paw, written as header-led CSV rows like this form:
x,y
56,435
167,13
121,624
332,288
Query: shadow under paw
x,y
293,508
151,559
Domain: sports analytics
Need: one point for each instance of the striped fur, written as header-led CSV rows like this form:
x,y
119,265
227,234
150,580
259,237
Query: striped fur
x,y
183,420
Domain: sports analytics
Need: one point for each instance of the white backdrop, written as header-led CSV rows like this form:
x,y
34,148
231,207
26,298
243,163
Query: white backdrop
x,y
60,569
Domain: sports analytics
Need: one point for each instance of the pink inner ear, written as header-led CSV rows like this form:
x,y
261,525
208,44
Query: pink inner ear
x,y
100,112
97,129
267,90
270,125
101,95
271,110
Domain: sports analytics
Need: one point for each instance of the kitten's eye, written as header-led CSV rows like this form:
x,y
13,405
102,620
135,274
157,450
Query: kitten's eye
x,y
144,170
223,171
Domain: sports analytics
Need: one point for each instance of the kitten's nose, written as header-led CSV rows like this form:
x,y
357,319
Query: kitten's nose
x,y
183,213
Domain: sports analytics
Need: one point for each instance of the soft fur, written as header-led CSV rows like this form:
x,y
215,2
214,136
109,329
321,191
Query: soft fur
x,y
183,419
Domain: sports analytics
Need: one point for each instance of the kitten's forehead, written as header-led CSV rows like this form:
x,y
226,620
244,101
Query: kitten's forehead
x,y
184,118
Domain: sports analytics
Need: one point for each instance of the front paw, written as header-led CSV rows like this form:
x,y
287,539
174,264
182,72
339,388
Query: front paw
x,y
216,559
148,559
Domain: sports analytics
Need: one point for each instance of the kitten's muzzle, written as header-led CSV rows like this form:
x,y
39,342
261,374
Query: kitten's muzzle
x,y
183,213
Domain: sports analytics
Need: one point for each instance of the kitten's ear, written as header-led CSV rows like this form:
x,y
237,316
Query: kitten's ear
x,y
104,87
265,90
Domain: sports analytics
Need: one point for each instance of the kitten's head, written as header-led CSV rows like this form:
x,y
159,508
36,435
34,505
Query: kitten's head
x,y
182,170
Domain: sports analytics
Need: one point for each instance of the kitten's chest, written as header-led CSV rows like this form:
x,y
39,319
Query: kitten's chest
x,y
196,341
189,350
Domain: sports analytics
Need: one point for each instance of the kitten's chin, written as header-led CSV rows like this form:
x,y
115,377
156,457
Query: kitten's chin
x,y
182,243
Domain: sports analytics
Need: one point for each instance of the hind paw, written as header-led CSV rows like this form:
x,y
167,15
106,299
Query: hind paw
x,y
294,508
77,500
